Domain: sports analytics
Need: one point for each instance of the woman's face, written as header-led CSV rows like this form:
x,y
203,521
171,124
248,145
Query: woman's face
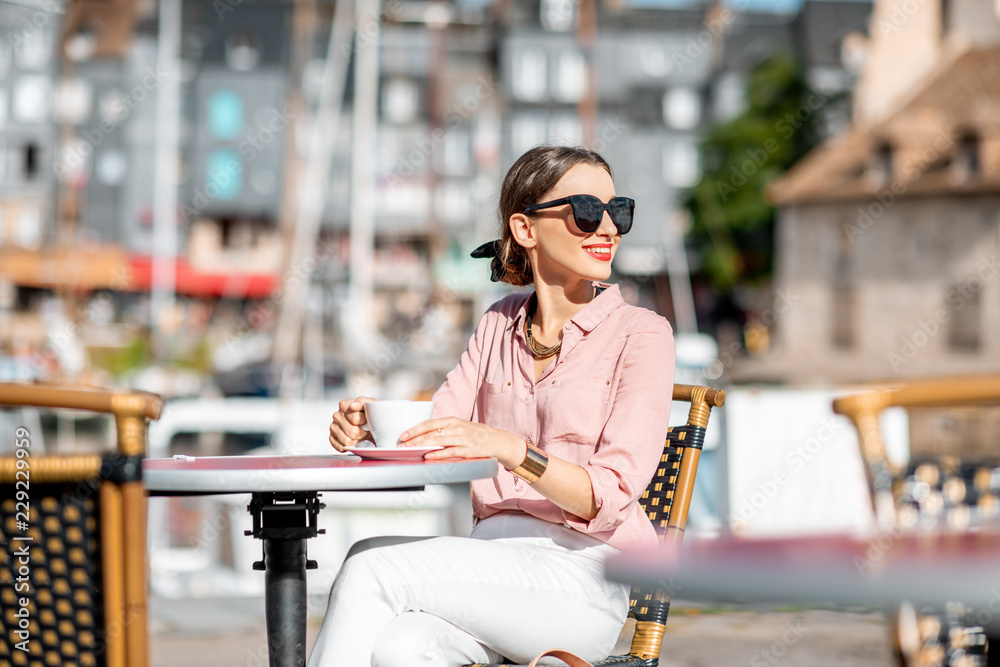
x,y
563,251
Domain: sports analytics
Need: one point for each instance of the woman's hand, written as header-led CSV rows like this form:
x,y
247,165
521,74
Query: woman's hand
x,y
465,440
346,431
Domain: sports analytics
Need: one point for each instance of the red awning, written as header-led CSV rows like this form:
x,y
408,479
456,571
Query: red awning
x,y
193,282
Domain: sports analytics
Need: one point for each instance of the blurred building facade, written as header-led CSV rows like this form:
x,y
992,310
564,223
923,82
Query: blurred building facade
x,y
888,234
463,89
661,77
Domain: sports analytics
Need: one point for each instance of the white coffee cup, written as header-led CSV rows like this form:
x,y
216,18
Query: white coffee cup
x,y
387,420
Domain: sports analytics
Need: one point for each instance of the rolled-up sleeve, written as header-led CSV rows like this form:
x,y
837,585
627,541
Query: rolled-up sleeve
x,y
631,443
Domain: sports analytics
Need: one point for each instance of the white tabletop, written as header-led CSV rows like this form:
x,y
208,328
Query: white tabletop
x,y
247,474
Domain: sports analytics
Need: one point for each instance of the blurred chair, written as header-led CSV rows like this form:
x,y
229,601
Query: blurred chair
x,y
946,492
81,519
666,501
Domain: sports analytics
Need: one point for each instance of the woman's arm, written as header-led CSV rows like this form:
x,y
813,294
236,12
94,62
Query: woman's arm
x,y
594,496
566,484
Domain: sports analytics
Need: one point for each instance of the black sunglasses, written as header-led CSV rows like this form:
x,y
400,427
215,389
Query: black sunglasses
x,y
588,211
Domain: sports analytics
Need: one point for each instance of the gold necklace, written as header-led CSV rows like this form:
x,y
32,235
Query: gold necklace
x,y
538,350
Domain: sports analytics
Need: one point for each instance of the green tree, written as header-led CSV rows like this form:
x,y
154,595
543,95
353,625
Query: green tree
x,y
732,222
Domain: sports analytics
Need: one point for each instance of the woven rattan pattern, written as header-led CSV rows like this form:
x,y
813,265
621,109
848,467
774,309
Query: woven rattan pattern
x,y
657,500
64,565
949,493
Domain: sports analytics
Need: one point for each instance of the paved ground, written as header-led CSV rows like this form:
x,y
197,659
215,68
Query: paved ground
x,y
230,633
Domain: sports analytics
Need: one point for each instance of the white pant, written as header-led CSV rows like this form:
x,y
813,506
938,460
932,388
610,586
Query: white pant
x,y
517,587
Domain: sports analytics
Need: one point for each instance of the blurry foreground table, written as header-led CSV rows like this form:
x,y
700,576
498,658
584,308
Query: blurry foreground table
x,y
285,505
925,569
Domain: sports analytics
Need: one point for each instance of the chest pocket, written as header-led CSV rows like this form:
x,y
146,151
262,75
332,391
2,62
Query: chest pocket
x,y
575,411
495,403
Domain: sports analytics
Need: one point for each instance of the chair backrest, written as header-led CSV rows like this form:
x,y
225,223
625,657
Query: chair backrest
x,y
666,501
73,576
927,637
864,408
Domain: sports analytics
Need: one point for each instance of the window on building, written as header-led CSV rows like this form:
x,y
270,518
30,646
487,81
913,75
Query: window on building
x,y
242,51
400,100
558,15
881,169
680,163
728,97
31,163
653,60
31,99
966,318
530,82
843,317
527,130
967,158
110,167
73,101
29,225
565,129
32,48
5,57
571,76
945,18
224,175
457,153
453,202
225,115
682,108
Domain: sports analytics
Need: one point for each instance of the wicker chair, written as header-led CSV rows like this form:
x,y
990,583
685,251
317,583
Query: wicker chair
x,y
666,501
77,597
955,493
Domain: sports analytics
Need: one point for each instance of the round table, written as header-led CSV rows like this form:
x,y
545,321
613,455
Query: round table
x,y
285,505
209,475
882,570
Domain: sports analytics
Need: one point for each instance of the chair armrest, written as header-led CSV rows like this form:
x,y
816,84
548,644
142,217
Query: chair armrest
x,y
117,402
715,398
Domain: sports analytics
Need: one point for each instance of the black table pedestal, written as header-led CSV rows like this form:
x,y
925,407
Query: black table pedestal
x,y
284,521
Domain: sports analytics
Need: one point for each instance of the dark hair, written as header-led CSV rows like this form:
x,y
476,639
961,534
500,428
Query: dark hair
x,y
530,178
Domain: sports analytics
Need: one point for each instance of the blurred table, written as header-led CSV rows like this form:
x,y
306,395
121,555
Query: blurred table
x,y
883,570
285,505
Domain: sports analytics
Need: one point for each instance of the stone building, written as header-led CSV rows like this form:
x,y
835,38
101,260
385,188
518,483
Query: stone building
x,y
888,234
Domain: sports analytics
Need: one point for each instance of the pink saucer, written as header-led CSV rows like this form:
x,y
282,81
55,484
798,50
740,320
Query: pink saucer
x,y
392,453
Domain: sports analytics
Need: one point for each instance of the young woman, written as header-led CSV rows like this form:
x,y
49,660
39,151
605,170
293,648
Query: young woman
x,y
568,388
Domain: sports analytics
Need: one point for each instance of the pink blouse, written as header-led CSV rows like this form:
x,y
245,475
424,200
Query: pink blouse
x,y
602,404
